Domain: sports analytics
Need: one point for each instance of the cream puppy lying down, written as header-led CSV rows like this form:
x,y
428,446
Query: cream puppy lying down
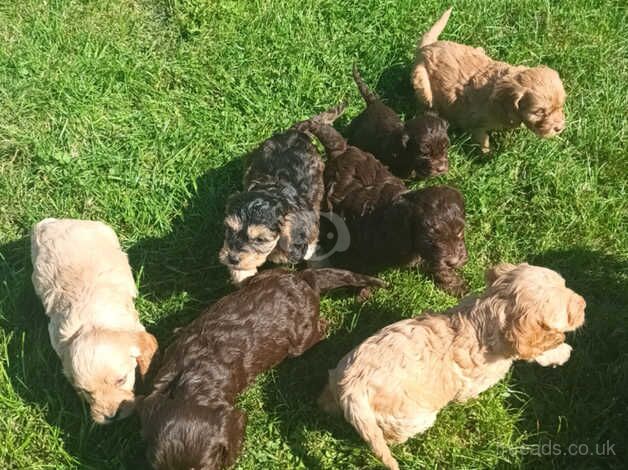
x,y
392,386
84,281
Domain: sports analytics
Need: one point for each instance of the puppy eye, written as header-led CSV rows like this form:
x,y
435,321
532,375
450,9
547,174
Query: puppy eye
x,y
121,381
540,112
259,240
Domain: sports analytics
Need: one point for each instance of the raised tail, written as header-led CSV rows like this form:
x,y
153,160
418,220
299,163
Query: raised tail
x,y
326,279
320,126
432,34
368,95
359,413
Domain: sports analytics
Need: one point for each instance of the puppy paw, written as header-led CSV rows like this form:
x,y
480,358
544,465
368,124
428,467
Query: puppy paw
x,y
555,357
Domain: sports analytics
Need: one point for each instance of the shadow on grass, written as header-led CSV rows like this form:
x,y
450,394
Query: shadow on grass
x,y
292,394
184,264
586,400
180,271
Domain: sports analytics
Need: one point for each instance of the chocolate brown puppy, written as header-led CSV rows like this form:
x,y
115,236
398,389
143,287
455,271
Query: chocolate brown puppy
x,y
416,149
474,92
189,419
388,224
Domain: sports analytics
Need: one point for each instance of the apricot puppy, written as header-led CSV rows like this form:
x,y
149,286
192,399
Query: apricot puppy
x,y
474,92
393,385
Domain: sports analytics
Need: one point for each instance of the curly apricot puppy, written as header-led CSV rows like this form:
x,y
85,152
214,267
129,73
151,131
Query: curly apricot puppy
x,y
189,418
388,224
276,217
474,92
416,148
393,385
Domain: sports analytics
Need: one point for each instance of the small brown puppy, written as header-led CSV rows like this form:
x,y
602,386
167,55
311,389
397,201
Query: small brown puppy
x,y
393,385
388,224
474,92
416,149
189,419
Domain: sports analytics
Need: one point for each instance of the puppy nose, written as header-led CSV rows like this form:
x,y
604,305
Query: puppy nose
x,y
452,261
114,416
441,168
233,259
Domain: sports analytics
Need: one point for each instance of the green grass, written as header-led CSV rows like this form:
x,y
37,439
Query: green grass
x,y
137,113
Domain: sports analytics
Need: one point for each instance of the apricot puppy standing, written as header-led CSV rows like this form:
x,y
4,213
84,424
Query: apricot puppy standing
x,y
84,280
476,93
393,385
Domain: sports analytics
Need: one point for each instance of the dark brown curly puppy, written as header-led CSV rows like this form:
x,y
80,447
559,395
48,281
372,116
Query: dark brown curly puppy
x,y
188,419
276,216
415,149
388,224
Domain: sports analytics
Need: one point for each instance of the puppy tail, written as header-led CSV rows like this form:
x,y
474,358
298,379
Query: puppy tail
x,y
368,95
359,413
432,34
320,127
327,279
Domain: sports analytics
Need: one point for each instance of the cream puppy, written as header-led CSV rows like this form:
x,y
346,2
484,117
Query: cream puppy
x,y
392,386
84,281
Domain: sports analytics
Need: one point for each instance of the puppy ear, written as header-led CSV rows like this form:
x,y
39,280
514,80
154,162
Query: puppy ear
x,y
575,308
143,350
509,94
528,335
496,271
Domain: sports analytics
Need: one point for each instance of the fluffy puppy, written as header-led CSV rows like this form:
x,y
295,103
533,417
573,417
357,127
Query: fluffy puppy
x,y
392,386
276,217
388,224
189,419
474,92
84,281
415,149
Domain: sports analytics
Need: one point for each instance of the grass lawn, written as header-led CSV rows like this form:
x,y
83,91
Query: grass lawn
x,y
137,113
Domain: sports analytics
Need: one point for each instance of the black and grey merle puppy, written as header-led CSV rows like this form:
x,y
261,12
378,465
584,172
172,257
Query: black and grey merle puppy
x,y
415,149
276,217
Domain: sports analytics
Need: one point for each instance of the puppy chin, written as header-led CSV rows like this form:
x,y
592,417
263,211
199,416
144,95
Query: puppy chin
x,y
239,275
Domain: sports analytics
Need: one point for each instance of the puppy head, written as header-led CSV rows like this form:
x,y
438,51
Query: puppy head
x,y
439,226
425,144
252,229
184,435
538,307
538,98
101,365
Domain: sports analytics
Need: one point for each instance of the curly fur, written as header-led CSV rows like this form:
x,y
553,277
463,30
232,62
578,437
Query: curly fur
x,y
388,224
393,385
417,148
188,418
474,92
84,281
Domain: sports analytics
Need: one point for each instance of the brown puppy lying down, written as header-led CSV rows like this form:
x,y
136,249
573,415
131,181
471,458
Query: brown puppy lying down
x,y
392,386
388,224
417,148
474,92
84,280
189,418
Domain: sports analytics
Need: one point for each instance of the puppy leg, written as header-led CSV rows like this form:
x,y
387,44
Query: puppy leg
x,y
554,357
481,137
421,84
